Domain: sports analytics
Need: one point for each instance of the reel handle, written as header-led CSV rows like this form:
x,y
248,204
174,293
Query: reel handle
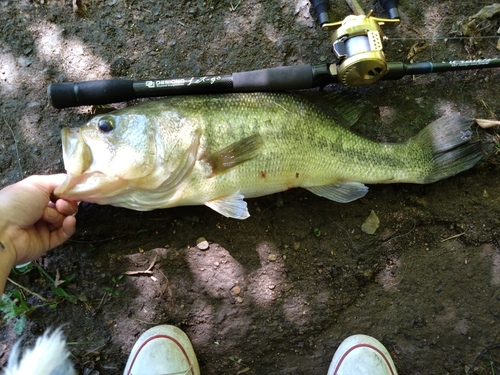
x,y
322,7
391,7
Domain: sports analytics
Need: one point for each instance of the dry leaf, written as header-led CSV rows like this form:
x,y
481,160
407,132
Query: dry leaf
x,y
371,223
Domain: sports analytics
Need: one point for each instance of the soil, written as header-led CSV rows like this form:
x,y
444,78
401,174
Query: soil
x,y
276,293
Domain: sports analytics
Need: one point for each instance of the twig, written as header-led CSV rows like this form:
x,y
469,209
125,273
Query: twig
x,y
168,288
399,235
111,238
148,271
234,7
494,346
452,237
100,303
29,291
84,342
145,322
355,7
17,151
485,124
94,350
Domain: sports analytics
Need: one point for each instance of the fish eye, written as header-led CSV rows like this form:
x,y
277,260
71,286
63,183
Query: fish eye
x,y
105,125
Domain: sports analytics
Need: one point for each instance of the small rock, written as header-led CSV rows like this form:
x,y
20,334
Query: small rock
x,y
202,243
236,289
32,104
24,61
238,299
272,257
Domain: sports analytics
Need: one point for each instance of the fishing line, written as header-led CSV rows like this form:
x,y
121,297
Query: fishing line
x,y
450,38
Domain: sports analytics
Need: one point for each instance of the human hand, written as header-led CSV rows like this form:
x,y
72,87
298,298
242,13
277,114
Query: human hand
x,y
30,224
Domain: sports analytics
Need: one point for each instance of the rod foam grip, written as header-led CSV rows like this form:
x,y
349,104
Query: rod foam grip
x,y
274,79
74,94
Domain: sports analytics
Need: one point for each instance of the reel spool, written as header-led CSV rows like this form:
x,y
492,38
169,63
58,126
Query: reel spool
x,y
357,43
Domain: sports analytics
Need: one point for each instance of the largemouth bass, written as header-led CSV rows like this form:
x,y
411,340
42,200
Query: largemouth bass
x,y
218,149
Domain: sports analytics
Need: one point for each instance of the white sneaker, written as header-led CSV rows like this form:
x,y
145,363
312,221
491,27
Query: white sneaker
x,y
162,350
362,355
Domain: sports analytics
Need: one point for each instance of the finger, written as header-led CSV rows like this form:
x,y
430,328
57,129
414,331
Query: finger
x,y
62,234
48,183
53,216
66,207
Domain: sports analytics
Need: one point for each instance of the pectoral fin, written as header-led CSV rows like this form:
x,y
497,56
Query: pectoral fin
x,y
343,192
236,153
231,206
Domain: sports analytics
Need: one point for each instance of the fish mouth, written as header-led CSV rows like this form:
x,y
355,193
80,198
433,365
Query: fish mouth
x,y
90,187
77,155
69,138
82,183
67,190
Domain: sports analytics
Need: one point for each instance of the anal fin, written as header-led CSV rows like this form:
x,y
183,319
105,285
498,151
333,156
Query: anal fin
x,y
232,206
342,192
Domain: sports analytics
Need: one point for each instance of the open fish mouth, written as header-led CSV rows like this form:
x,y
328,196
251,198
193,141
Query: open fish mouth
x,y
77,155
83,183
69,137
89,187
80,183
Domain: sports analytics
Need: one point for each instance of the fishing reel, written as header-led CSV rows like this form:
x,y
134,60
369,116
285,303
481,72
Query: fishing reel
x,y
357,42
358,45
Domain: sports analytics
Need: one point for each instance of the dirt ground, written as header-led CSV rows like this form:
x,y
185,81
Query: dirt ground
x,y
278,292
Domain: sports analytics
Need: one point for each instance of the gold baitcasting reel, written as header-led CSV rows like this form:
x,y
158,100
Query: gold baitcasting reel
x,y
357,43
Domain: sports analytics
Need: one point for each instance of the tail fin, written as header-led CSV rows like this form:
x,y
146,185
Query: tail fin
x,y
450,141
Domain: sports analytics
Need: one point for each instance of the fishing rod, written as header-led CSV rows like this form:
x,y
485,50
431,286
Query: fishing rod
x,y
357,43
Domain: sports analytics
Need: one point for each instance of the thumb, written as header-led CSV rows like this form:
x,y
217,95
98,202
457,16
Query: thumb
x,y
61,235
47,183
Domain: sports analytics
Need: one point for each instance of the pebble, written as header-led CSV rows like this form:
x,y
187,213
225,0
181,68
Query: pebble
x,y
202,243
236,290
24,61
272,257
